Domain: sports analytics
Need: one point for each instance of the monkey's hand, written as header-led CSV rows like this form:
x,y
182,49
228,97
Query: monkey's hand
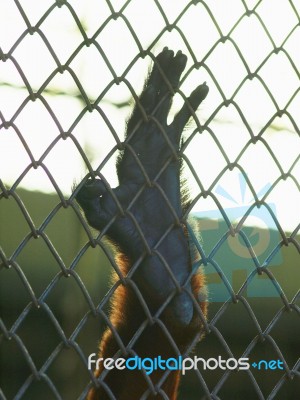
x,y
143,214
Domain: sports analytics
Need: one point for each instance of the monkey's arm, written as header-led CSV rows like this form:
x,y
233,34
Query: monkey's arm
x,y
143,216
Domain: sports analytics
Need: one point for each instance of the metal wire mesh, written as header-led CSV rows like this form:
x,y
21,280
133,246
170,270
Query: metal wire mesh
x,y
68,328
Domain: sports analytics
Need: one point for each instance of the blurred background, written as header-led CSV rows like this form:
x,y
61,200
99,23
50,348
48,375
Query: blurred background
x,y
67,72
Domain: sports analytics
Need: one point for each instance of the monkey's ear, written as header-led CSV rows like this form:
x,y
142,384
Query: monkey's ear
x,y
190,105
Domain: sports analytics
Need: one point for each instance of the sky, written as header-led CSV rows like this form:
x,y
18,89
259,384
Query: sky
x,y
243,67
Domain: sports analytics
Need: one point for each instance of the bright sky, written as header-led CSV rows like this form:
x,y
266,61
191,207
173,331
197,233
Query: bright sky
x,y
280,73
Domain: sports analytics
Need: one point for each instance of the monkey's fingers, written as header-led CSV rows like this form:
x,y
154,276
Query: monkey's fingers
x,y
190,106
161,62
175,69
149,98
163,81
92,189
90,197
170,83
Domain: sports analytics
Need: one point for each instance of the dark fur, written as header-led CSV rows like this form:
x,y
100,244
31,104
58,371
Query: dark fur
x,y
149,232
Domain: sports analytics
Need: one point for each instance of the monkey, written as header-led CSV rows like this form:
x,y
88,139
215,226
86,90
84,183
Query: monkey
x,y
159,304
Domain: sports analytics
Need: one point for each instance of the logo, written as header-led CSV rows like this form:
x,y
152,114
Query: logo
x,y
149,365
254,243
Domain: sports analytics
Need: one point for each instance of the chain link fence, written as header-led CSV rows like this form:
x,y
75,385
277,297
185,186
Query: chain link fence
x,y
55,270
